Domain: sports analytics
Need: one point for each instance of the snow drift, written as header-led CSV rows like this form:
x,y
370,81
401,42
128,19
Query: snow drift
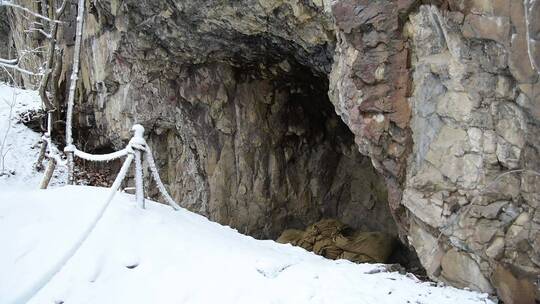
x,y
159,255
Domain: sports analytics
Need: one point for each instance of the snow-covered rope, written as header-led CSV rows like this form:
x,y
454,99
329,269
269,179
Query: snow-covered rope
x,y
96,157
41,282
155,174
135,148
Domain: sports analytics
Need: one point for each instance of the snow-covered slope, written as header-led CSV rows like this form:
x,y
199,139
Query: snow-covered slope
x,y
20,144
158,255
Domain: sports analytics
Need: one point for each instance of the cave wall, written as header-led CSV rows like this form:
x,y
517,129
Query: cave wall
x,y
238,114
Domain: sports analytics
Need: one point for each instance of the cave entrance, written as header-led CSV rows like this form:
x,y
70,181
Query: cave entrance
x,y
328,176
258,146
322,174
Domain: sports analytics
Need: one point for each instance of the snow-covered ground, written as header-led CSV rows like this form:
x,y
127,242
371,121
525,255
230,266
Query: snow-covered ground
x,y
20,144
159,255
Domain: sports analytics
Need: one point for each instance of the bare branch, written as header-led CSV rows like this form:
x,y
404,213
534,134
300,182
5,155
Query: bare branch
x,y
60,10
47,35
29,11
16,67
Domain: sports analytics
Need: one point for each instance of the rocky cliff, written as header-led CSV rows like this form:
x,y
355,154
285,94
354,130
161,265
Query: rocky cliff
x,y
5,42
418,118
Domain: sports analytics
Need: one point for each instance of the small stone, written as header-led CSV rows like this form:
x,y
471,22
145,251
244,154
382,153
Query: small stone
x,y
522,219
510,212
379,72
475,139
504,87
507,154
490,211
458,106
480,7
495,28
485,230
423,208
496,248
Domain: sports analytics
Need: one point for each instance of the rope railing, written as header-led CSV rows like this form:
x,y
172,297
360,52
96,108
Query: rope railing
x,y
96,157
136,150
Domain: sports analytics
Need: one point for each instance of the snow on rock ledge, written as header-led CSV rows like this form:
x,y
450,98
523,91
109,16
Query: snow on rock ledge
x,y
161,256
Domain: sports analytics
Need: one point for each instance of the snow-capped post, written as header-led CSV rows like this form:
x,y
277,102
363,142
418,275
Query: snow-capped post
x,y
139,145
72,87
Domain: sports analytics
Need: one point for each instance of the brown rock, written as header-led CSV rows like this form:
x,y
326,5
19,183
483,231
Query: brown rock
x,y
511,289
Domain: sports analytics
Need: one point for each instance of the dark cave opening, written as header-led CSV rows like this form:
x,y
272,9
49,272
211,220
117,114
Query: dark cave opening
x,y
342,183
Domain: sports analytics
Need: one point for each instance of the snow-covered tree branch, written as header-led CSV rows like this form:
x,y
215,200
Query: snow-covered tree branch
x,y
27,10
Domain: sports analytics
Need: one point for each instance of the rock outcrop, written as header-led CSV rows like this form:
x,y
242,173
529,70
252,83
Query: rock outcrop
x,y
235,99
5,36
445,102
473,180
417,118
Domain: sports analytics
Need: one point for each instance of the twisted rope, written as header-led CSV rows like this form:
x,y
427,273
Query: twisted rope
x,y
134,149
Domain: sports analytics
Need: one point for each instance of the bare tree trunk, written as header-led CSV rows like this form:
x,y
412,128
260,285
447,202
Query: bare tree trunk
x,y
54,86
51,69
72,87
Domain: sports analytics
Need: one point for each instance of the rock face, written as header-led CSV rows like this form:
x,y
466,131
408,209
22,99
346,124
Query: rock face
x,y
235,99
420,118
475,117
445,136
16,37
369,85
5,41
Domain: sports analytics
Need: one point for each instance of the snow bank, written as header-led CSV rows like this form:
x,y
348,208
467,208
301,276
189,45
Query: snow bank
x,y
158,255
21,143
